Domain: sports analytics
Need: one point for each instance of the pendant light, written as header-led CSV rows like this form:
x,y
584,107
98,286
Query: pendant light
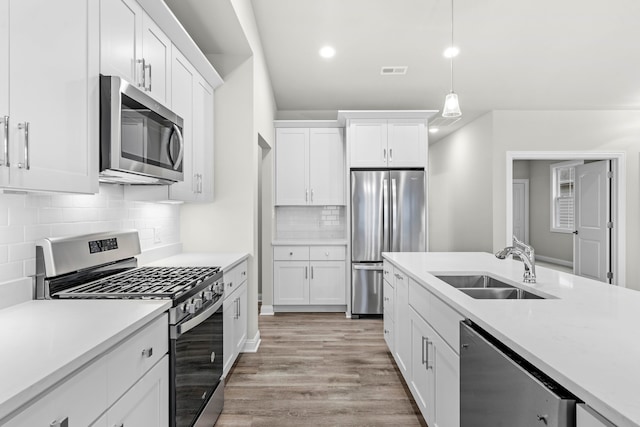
x,y
451,105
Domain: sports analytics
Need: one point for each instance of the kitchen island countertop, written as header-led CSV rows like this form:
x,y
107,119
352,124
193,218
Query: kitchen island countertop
x,y
584,337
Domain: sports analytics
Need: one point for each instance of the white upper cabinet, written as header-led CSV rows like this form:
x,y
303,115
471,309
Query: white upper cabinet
x,y
309,166
203,140
135,48
392,143
326,166
49,141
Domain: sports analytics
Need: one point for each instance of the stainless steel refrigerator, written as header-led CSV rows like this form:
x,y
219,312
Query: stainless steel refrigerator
x,y
387,215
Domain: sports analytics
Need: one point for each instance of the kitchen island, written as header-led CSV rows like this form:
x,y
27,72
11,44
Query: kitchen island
x,y
581,335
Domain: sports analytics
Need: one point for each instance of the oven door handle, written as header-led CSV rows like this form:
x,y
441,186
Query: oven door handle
x,y
177,330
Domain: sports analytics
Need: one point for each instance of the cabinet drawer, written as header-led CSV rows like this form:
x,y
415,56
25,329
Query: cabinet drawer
x,y
327,253
387,272
446,321
130,360
234,278
80,399
291,253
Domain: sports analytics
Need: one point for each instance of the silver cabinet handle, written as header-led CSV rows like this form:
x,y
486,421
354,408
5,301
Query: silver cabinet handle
x,y
422,360
311,272
429,365
147,352
27,163
5,121
239,308
312,195
384,154
148,67
141,73
60,422
306,272
391,154
306,194
231,284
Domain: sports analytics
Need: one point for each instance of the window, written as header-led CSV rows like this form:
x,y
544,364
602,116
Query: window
x,y
562,196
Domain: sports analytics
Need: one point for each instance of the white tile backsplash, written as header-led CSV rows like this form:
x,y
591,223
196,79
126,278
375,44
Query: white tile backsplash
x,y
25,218
310,222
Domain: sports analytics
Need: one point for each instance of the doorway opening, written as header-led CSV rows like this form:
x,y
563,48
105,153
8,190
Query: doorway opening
x,y
601,257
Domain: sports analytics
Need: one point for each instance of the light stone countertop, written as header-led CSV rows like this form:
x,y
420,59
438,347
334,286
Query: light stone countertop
x,y
586,338
44,341
203,259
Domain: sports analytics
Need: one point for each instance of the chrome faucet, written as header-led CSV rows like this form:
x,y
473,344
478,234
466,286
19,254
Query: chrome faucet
x,y
526,254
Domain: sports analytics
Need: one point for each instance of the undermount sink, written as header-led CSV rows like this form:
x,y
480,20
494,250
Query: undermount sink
x,y
480,286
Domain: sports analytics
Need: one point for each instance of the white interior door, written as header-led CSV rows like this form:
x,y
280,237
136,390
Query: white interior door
x,y
521,209
592,241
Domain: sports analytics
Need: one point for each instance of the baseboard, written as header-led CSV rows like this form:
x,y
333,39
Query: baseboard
x,y
310,308
266,310
252,345
554,261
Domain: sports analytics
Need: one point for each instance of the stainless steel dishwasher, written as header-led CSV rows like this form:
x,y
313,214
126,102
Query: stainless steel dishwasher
x,y
499,388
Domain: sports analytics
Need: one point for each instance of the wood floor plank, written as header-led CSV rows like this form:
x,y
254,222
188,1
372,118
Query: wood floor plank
x,y
318,369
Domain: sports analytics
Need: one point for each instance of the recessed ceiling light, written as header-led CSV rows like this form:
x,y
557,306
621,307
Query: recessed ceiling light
x,y
433,130
327,52
451,52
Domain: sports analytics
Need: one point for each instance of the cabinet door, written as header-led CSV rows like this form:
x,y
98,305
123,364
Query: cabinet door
x,y
240,327
292,166
229,311
388,314
120,39
326,166
58,100
368,143
182,83
407,143
203,139
291,282
446,365
422,373
4,89
147,403
327,284
402,323
156,52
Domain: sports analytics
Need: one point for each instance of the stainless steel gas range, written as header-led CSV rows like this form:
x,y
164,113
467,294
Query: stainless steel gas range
x,y
103,265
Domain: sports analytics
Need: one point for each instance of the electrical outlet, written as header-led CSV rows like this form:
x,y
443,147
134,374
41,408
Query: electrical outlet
x,y
157,238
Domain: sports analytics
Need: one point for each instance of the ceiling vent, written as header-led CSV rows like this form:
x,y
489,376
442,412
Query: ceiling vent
x,y
394,71
443,121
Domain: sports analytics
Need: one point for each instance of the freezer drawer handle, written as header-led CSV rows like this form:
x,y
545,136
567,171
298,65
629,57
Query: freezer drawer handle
x,y
368,267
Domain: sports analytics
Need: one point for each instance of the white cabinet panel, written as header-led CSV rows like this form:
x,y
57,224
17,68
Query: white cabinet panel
x,y
4,90
156,51
402,323
147,403
587,417
291,282
368,143
326,166
327,284
203,139
388,307
407,143
53,130
120,38
422,374
240,327
292,166
234,314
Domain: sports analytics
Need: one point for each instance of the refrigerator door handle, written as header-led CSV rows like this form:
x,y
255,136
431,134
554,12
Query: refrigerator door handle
x,y
394,246
385,215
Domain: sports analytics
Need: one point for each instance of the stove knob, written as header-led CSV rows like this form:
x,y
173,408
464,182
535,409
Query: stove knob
x,y
183,308
191,307
198,303
208,295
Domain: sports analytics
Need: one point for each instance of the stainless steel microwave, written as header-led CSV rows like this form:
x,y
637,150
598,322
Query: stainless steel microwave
x,y
141,141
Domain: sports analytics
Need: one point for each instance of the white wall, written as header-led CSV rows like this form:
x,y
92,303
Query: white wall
x,y
25,218
460,182
610,131
244,108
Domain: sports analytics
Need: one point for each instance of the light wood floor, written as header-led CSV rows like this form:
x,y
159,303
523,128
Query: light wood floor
x,y
318,370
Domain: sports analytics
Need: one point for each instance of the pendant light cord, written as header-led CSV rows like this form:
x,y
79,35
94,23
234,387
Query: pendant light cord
x,y
452,49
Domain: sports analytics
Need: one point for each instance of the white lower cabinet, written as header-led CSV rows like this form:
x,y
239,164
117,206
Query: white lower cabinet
x,y
309,275
234,314
402,323
388,304
126,385
146,404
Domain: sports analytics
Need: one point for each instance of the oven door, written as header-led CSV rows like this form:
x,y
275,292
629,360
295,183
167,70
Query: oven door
x,y
196,368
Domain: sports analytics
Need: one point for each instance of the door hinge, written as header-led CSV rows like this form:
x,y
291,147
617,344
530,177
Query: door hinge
x,y
609,275
609,174
609,224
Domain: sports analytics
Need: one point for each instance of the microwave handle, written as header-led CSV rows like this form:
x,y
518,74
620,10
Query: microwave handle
x,y
178,132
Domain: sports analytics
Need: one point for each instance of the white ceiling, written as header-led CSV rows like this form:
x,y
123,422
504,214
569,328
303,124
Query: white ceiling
x,y
515,54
